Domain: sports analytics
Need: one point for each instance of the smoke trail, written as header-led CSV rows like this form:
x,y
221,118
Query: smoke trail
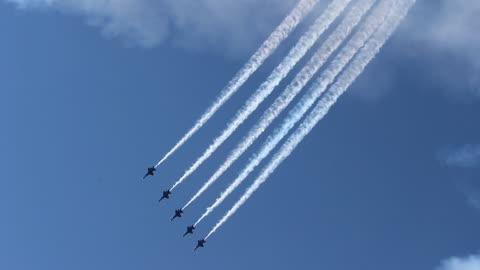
x,y
372,22
268,47
352,18
295,54
367,53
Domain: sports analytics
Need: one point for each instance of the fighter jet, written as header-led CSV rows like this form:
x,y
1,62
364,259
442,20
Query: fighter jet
x,y
178,213
150,171
189,230
200,244
166,195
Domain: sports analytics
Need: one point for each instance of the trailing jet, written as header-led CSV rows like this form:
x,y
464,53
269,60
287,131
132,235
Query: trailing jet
x,y
150,171
200,244
178,213
166,195
189,230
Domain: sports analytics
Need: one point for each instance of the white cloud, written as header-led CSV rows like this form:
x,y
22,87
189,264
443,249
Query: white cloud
x,y
446,27
474,199
467,156
457,32
232,24
456,22
473,195
450,29
131,18
440,39
456,263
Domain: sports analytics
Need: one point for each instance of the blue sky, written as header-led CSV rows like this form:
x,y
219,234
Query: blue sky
x,y
92,94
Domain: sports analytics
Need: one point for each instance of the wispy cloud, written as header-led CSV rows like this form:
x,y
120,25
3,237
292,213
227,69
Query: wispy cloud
x,y
457,263
447,27
467,159
235,25
458,23
134,19
467,156
442,36
473,196
450,28
454,25
474,199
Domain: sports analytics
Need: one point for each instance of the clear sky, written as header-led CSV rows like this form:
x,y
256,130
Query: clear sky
x,y
92,95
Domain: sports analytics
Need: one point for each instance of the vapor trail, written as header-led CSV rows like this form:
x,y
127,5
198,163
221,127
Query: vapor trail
x,y
266,88
341,60
267,48
355,69
351,19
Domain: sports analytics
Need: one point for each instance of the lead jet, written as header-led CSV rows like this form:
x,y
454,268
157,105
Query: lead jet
x,y
178,213
150,171
200,244
166,195
189,230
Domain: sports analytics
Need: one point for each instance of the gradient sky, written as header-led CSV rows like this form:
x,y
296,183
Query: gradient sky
x,y
388,180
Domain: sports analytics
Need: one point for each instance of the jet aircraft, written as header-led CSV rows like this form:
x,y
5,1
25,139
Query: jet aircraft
x,y
189,230
166,195
150,171
200,244
178,213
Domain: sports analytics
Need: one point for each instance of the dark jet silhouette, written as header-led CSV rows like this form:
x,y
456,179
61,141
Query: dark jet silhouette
x,y
166,195
178,213
150,171
189,230
200,244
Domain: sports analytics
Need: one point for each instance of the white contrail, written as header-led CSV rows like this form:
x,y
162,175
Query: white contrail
x,y
355,69
268,47
351,19
366,29
266,88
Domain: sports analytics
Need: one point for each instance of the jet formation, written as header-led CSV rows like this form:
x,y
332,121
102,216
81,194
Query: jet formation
x,y
178,213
